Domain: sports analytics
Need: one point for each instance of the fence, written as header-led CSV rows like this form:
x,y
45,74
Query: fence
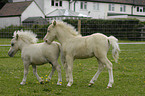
x,y
122,29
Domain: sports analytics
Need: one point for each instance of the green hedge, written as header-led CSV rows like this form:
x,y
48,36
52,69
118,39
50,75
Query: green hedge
x,y
7,32
122,28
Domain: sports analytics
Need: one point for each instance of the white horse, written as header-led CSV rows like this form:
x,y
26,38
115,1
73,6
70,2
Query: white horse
x,y
75,46
33,53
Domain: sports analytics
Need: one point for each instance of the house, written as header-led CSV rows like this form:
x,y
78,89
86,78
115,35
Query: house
x,y
97,9
106,9
16,12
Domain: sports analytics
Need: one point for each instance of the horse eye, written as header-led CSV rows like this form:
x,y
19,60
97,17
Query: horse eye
x,y
12,44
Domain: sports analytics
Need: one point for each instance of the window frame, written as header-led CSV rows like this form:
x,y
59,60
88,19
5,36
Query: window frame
x,y
112,7
96,6
140,9
122,8
83,5
56,3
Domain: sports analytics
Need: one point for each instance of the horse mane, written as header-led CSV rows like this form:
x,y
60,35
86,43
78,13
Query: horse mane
x,y
27,36
68,28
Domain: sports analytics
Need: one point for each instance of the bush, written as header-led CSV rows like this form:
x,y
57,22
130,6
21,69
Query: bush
x,y
120,28
7,32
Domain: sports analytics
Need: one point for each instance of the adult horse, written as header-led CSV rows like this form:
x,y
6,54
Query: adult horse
x,y
75,46
33,53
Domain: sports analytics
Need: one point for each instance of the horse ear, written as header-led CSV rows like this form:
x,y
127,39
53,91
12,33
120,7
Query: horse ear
x,y
54,23
17,36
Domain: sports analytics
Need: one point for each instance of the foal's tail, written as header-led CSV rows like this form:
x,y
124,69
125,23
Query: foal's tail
x,y
115,51
61,54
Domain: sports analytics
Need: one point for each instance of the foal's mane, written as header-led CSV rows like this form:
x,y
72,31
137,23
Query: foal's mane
x,y
27,36
68,28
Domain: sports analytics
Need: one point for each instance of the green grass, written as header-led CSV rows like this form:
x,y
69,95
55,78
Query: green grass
x,y
8,41
129,76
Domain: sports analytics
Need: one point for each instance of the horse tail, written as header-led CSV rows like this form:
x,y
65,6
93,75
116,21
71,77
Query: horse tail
x,y
115,51
61,54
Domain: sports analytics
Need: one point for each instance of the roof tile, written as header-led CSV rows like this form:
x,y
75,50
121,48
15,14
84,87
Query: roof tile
x,y
12,9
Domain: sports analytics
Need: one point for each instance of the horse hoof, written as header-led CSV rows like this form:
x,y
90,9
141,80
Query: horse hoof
x,y
108,87
59,83
41,82
90,84
22,83
68,85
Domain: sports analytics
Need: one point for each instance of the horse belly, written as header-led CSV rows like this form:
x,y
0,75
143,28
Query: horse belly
x,y
38,60
83,55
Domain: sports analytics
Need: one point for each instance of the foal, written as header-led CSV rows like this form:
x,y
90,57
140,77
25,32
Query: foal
x,y
33,53
75,46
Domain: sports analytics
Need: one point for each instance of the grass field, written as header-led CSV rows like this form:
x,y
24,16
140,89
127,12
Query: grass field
x,y
129,76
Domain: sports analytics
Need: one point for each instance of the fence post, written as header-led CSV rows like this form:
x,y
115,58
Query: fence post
x,y
79,26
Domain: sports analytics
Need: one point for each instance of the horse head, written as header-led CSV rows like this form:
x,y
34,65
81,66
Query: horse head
x,y
51,33
14,46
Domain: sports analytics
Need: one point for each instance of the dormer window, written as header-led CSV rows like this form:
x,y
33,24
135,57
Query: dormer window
x,y
56,3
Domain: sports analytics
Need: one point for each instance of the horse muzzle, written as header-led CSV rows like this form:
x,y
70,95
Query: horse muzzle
x,y
11,53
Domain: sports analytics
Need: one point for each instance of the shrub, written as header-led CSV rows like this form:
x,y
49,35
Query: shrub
x,y
120,28
7,32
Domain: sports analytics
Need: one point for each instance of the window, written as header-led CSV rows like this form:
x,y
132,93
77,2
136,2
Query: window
x,y
140,9
96,6
83,5
111,7
56,3
122,8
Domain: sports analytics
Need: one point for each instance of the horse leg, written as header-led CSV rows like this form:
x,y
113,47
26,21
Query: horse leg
x,y
26,67
35,73
66,71
69,61
58,68
51,73
109,67
100,69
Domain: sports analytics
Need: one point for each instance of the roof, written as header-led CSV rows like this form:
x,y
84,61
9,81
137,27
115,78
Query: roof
x,y
34,19
132,2
65,12
14,9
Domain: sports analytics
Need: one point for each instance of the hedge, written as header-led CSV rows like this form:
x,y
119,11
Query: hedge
x,y
7,32
122,28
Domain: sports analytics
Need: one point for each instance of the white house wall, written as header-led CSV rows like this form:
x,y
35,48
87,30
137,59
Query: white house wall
x,y
41,4
97,14
117,9
7,21
32,11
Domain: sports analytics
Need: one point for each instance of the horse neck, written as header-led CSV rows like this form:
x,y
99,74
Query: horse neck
x,y
63,37
22,44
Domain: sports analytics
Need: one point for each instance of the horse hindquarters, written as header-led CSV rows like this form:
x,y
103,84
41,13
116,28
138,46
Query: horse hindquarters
x,y
100,52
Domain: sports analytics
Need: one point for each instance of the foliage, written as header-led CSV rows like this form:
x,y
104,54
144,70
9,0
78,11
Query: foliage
x,y
125,29
7,32
128,76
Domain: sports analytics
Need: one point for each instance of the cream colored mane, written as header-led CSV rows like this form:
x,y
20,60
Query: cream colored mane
x,y
68,28
27,36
